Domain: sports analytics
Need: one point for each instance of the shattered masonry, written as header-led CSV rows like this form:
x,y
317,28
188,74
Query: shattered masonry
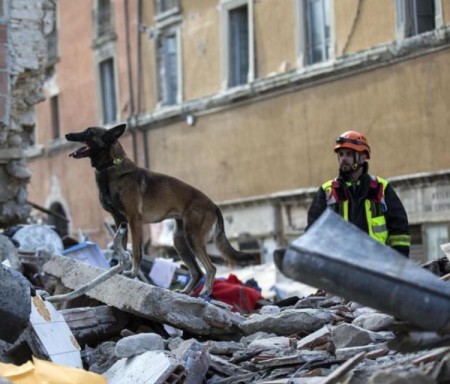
x,y
23,29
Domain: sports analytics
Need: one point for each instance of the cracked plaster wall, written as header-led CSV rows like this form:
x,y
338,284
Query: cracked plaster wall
x,y
23,50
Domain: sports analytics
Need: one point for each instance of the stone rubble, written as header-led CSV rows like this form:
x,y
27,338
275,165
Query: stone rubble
x,y
148,334
264,357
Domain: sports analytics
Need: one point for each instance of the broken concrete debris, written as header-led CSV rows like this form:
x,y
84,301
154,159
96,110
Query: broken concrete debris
x,y
15,304
137,344
157,304
132,332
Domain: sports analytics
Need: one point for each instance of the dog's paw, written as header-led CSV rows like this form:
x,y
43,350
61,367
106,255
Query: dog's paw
x,y
206,296
129,273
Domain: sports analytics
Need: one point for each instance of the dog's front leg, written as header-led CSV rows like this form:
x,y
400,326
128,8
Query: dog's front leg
x,y
136,240
118,220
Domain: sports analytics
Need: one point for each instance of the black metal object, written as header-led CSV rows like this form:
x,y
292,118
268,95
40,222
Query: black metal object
x,y
338,257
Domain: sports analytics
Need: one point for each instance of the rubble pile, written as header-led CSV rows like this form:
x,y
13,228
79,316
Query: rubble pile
x,y
319,339
130,331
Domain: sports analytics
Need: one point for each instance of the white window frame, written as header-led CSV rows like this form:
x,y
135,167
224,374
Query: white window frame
x,y
167,29
400,11
175,10
301,35
224,8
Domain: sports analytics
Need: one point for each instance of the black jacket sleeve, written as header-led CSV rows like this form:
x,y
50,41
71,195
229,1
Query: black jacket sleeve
x,y
318,205
397,222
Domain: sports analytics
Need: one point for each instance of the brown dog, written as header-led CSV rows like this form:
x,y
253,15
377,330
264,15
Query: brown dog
x,y
137,196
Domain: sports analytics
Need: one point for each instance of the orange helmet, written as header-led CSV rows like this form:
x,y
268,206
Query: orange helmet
x,y
353,140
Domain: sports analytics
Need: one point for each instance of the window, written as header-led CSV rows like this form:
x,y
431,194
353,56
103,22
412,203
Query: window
x,y
163,6
58,219
104,18
52,45
238,49
168,51
417,16
237,42
314,31
317,30
435,235
52,34
168,68
54,113
104,46
108,91
416,252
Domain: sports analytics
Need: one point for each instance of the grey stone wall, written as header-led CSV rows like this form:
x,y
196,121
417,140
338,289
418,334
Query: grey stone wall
x,y
23,52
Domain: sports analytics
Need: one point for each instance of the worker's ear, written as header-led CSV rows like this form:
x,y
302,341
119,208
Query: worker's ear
x,y
364,157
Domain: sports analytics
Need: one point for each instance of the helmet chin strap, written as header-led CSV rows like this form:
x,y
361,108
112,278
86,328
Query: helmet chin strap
x,y
356,161
355,166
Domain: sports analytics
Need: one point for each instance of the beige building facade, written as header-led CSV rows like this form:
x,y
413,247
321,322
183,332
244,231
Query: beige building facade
x,y
243,99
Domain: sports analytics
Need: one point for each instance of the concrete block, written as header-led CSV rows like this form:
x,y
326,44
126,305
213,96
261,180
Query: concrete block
x,y
158,304
149,368
348,335
374,321
15,304
54,334
272,343
287,322
138,344
195,358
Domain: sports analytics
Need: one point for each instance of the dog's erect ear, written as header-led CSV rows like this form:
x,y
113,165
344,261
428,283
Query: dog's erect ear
x,y
114,133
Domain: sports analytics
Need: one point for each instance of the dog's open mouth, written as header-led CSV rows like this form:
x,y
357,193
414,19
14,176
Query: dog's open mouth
x,y
80,152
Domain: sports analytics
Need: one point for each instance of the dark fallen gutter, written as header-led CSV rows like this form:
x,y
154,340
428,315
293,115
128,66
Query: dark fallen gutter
x,y
48,211
338,257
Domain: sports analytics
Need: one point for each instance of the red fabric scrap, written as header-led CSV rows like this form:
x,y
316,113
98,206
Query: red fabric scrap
x,y
232,291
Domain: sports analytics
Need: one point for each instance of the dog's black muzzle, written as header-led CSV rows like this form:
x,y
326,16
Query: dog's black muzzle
x,y
79,137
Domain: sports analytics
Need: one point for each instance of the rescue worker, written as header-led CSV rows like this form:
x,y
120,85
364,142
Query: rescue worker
x,y
367,201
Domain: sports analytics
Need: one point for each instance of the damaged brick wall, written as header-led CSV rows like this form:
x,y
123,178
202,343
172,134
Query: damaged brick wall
x,y
23,50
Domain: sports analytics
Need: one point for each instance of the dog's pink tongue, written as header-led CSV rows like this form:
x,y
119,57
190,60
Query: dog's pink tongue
x,y
79,152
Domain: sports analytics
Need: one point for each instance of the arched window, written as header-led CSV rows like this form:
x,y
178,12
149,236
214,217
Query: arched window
x,y
59,219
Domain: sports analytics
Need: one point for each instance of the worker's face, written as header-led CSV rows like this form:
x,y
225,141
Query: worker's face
x,y
346,159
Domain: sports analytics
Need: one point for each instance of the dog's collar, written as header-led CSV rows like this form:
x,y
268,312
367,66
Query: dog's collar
x,y
117,160
112,163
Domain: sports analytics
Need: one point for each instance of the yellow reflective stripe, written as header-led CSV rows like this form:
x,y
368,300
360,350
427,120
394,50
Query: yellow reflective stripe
x,y
402,240
345,210
327,184
376,226
327,188
382,181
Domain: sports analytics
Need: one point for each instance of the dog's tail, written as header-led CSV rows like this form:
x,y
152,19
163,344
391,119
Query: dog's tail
x,y
226,249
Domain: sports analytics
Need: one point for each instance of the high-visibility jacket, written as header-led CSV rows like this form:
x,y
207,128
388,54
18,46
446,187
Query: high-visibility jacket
x,y
371,204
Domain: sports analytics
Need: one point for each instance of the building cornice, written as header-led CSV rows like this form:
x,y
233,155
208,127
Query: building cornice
x,y
301,78
301,194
